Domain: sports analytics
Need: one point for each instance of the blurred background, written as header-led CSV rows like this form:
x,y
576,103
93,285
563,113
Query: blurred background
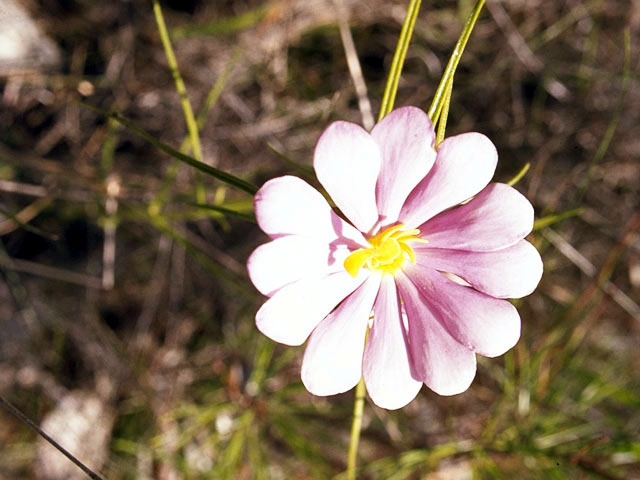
x,y
126,314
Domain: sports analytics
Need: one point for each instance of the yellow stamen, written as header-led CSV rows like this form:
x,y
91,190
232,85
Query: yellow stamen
x,y
354,262
389,249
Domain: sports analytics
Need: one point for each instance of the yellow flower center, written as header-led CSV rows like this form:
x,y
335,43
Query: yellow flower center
x,y
389,249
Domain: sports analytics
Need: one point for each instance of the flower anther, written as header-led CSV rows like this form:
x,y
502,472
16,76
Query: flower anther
x,y
389,250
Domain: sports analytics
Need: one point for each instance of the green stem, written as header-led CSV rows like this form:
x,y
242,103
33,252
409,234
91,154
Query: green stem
x,y
389,96
201,166
358,407
613,124
190,120
32,425
518,176
450,70
212,98
444,113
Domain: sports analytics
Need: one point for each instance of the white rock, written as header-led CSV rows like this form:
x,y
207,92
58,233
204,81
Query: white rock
x,y
23,45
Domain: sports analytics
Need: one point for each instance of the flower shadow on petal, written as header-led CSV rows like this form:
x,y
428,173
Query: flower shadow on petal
x,y
342,240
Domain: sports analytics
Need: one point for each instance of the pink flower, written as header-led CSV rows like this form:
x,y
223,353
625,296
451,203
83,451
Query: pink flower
x,y
425,267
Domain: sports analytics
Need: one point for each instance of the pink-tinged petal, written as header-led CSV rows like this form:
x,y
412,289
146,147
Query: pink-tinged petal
x,y
464,165
406,138
512,272
496,218
288,259
386,369
347,162
484,324
333,358
290,206
443,364
296,309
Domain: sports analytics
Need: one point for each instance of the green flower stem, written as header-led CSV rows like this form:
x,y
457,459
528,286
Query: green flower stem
x,y
447,77
389,96
358,407
518,176
548,220
444,113
190,120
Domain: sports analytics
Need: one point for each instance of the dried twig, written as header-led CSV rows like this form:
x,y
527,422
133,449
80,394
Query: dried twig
x,y
590,270
354,65
554,87
46,271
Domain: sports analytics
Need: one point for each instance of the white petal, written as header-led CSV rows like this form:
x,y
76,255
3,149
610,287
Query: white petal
x,y
464,165
443,364
333,358
290,206
406,138
347,162
288,259
487,325
496,218
294,311
512,272
386,369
